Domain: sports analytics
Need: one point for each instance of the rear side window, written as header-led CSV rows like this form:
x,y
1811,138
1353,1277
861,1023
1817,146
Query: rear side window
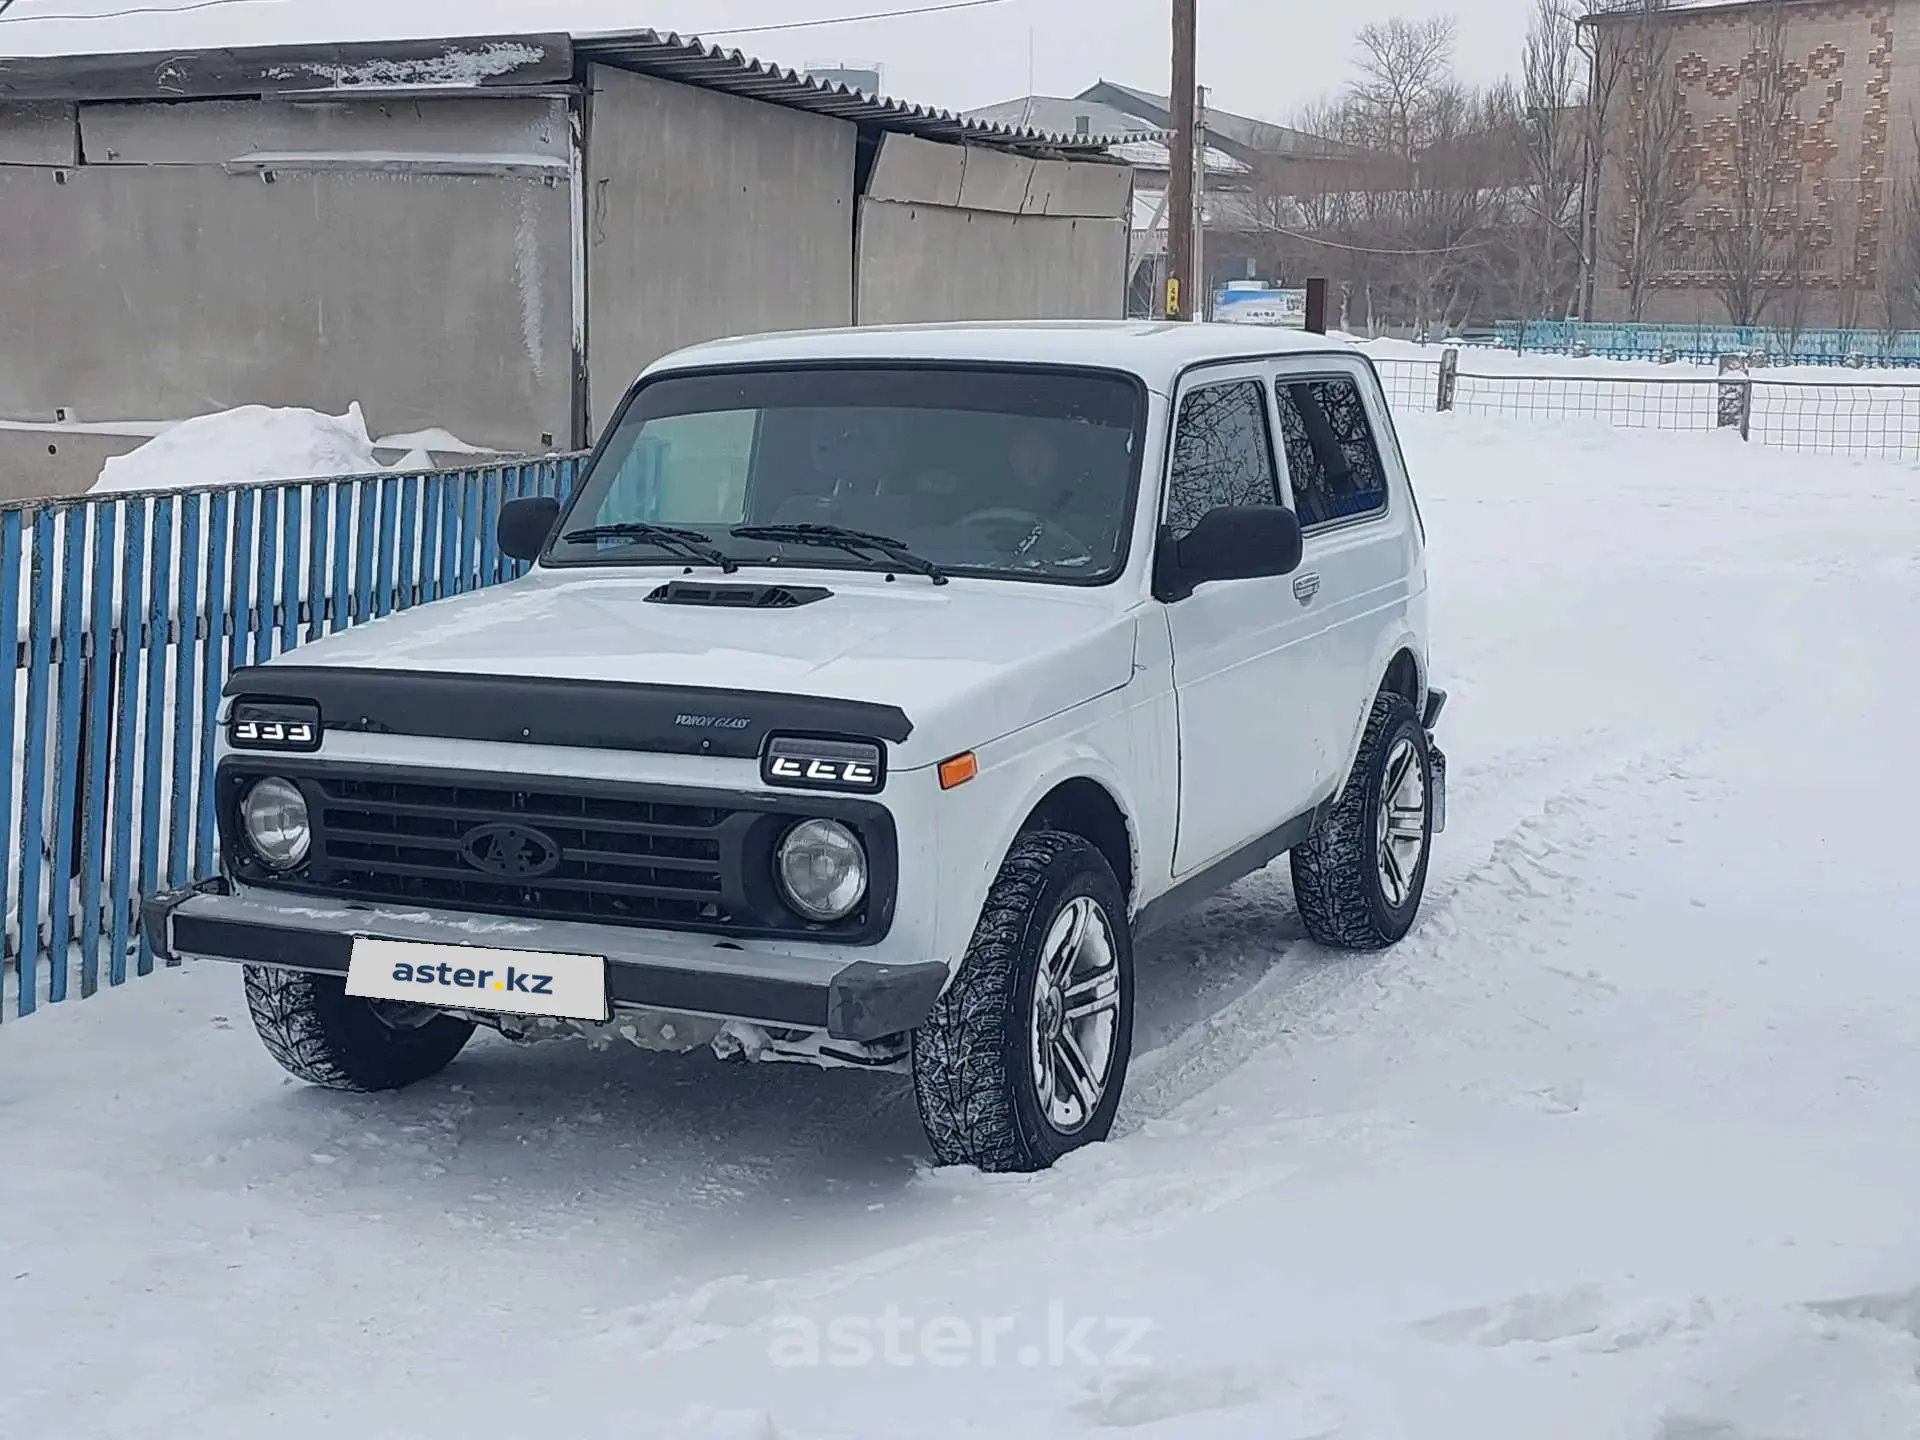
x,y
1332,457
1222,454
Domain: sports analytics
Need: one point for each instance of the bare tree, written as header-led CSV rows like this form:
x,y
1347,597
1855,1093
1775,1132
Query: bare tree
x,y
1755,227
1418,203
1405,68
1852,289
1900,261
1607,62
1552,122
1650,156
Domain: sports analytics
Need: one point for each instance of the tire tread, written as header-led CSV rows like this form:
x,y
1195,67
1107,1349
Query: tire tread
x,y
320,1034
960,1053
1333,880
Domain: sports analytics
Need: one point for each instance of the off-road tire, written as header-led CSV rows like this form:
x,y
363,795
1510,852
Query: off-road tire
x,y
324,1036
971,1074
1336,870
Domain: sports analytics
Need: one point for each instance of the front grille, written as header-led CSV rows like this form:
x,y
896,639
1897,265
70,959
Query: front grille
x,y
619,860
604,852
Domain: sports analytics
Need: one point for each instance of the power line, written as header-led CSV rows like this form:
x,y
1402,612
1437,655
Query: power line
x,y
1374,250
857,19
6,19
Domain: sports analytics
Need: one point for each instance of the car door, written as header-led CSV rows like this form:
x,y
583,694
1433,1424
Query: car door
x,y
1243,683
1354,584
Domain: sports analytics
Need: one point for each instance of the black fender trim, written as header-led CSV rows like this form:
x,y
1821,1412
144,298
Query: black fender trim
x,y
1203,885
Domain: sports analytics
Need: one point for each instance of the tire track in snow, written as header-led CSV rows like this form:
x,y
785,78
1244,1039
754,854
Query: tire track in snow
x,y
1322,994
1519,889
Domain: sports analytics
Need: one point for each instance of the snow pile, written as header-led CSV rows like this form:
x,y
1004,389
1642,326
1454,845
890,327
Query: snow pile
x,y
243,446
259,442
444,442
458,68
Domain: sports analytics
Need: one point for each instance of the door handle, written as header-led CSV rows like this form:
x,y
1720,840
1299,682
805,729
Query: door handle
x,y
1305,587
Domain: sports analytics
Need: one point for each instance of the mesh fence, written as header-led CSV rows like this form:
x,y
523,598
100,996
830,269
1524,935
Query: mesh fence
x,y
1869,417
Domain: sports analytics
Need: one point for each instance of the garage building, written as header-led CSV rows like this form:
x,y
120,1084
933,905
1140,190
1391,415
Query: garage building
x,y
486,236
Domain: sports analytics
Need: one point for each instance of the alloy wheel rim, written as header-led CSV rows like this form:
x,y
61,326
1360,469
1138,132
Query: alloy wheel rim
x,y
1075,1017
1402,830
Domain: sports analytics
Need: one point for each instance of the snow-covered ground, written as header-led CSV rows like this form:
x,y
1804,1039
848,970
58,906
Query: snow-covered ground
x,y
1617,1146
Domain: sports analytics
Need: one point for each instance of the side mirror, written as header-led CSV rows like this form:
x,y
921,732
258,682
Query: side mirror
x,y
1231,542
525,526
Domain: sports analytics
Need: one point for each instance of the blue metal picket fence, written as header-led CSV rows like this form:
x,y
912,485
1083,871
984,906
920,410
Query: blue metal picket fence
x,y
128,613
1625,340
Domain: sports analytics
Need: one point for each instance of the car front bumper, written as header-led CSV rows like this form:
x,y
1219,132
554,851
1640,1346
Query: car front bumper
x,y
848,999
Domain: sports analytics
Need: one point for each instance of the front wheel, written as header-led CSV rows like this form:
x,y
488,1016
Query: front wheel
x,y
1359,877
324,1036
1023,1057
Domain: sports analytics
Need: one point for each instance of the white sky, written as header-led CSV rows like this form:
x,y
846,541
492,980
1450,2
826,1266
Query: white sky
x,y
1260,57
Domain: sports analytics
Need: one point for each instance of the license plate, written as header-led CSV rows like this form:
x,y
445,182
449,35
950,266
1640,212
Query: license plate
x,y
468,977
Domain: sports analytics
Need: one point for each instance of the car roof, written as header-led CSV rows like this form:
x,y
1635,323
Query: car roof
x,y
1155,350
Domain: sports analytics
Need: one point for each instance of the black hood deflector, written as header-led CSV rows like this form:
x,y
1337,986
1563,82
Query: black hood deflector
x,y
543,710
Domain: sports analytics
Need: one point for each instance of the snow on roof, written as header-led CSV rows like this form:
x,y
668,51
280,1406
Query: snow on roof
x,y
1154,155
489,63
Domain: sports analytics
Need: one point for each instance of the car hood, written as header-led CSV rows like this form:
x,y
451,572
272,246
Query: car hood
x,y
967,662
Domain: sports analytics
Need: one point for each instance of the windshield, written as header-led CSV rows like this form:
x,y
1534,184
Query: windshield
x,y
1022,473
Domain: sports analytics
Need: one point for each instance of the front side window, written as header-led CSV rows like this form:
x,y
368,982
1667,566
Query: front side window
x,y
1222,454
1021,473
1331,455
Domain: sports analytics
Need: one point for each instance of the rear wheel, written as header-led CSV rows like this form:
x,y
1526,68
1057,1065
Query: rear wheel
x,y
1359,878
324,1036
1023,1058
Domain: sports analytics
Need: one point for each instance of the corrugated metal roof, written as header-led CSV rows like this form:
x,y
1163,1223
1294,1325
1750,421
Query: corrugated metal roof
x,y
693,61
1156,155
499,62
1061,115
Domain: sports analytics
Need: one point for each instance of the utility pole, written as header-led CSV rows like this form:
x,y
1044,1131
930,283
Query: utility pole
x,y
1201,306
1180,197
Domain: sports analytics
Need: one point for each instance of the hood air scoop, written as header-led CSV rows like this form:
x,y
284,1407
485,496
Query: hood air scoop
x,y
737,597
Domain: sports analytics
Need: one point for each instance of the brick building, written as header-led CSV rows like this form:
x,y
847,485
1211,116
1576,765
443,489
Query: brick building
x,y
1844,74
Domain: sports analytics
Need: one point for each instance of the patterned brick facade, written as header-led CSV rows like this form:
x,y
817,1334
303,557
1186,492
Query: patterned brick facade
x,y
1840,173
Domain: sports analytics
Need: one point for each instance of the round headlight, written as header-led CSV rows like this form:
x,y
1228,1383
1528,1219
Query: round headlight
x,y
822,870
274,813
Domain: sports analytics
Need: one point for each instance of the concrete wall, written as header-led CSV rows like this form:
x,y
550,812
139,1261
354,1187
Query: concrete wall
x,y
44,134
35,464
707,215
957,233
159,261
410,255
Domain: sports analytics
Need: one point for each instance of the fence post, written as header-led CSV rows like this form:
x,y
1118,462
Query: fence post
x,y
1736,395
1317,305
1449,372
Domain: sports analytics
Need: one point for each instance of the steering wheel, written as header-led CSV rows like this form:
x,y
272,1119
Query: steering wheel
x,y
1035,526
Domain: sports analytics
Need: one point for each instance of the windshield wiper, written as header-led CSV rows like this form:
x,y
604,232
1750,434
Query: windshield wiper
x,y
838,537
688,544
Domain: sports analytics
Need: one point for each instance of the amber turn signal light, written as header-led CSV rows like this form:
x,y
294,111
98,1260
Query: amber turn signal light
x,y
958,770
